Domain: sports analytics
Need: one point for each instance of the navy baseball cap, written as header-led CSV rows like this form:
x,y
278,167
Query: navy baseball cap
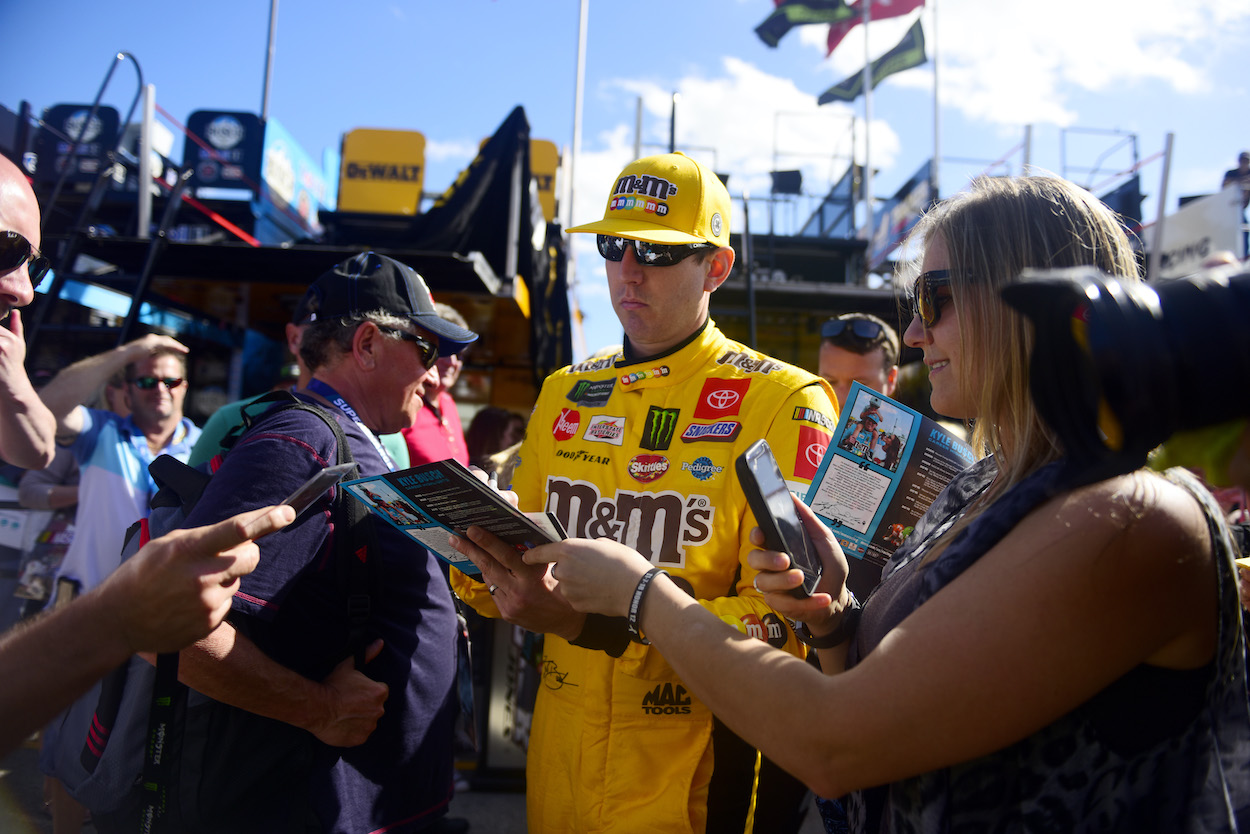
x,y
370,281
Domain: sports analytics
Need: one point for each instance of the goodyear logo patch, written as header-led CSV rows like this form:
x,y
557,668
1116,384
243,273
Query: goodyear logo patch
x,y
702,468
658,431
811,415
582,456
591,393
639,376
723,432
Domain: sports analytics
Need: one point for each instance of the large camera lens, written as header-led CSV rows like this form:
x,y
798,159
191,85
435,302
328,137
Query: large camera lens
x,y
1118,367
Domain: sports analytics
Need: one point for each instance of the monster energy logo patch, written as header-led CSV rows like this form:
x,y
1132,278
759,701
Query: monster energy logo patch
x,y
811,415
659,429
591,393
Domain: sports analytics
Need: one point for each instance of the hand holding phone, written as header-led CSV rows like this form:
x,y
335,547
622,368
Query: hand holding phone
x,y
773,507
303,497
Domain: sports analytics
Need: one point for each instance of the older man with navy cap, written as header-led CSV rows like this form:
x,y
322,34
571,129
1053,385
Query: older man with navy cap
x,y
332,747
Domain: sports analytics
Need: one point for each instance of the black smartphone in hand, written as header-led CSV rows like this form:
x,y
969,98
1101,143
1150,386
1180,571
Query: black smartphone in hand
x,y
773,506
311,490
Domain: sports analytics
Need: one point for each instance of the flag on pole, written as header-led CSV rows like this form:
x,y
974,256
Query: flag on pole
x,y
791,13
909,53
881,9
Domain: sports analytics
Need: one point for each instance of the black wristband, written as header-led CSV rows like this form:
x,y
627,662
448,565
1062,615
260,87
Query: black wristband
x,y
635,605
602,633
845,630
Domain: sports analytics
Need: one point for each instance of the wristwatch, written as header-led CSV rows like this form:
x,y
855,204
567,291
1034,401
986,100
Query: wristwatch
x,y
845,630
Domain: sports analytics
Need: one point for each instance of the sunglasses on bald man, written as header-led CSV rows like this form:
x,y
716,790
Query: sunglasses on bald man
x,y
15,250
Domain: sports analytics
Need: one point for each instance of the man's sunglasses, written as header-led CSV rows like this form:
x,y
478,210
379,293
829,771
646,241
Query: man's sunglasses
x,y
16,250
859,328
429,350
924,300
147,383
647,254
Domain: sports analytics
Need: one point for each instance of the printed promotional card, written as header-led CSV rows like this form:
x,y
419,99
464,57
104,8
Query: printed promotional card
x,y
885,466
430,501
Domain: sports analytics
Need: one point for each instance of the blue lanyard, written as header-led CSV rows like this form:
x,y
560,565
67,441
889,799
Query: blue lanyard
x,y
336,399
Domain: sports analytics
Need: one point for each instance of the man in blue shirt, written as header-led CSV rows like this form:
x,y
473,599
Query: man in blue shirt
x,y
113,453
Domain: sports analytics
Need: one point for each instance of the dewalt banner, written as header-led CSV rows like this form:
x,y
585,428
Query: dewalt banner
x,y
383,171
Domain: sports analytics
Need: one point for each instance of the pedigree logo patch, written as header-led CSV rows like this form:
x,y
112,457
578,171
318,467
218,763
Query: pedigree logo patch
x,y
721,398
566,424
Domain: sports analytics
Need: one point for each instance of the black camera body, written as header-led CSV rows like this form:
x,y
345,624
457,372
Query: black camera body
x,y
1119,366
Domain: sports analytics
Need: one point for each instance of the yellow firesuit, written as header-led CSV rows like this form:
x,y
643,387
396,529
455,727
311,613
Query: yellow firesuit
x,y
644,453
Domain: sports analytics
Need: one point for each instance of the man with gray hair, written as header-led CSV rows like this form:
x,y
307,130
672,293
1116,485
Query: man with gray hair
x,y
314,742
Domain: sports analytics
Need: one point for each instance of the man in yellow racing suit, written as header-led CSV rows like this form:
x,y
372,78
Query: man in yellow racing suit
x,y
640,447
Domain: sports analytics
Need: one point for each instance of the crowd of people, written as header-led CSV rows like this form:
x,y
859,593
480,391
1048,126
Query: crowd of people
x,y
1040,653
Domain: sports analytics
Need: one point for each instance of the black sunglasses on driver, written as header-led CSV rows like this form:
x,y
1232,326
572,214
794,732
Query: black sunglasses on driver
x,y
16,250
647,254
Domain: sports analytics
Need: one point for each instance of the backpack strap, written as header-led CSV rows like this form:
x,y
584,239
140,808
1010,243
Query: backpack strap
x,y
355,538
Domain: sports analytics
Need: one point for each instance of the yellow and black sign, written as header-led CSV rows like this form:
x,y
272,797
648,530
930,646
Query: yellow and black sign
x,y
544,162
383,171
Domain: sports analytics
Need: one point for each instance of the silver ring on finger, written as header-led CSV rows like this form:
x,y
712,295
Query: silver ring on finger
x,y
756,583
491,590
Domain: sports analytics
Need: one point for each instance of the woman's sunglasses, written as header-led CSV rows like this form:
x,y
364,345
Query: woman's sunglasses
x,y
924,300
16,250
859,328
147,383
647,254
429,350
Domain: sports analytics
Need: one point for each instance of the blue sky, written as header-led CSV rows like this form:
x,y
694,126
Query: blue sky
x,y
454,70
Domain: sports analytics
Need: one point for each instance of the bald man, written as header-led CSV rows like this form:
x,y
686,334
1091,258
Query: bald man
x,y
27,427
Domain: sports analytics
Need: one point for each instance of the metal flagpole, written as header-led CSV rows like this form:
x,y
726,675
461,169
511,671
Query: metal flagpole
x,y
1156,246
935,171
868,225
273,31
577,106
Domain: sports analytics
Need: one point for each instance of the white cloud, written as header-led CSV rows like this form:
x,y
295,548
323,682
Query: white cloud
x,y
1019,63
741,120
450,151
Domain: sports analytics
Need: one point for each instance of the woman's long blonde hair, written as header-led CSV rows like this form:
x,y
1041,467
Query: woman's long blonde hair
x,y
993,231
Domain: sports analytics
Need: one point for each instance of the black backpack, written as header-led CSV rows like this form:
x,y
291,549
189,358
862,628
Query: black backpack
x,y
142,751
